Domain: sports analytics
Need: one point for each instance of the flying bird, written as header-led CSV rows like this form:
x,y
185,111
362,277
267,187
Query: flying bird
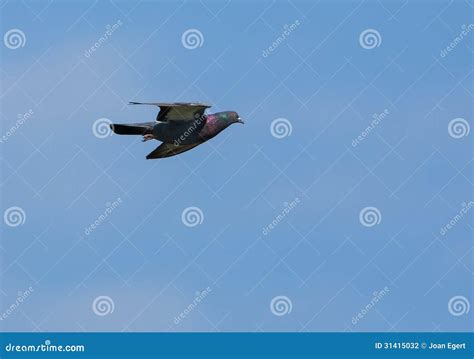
x,y
181,126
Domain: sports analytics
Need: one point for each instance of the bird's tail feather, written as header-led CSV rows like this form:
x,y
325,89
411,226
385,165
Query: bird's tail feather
x,y
133,128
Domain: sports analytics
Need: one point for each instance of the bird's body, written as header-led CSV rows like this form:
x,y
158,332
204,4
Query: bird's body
x,y
180,126
187,132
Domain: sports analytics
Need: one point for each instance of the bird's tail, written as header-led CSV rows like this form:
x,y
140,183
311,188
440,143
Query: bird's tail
x,y
133,128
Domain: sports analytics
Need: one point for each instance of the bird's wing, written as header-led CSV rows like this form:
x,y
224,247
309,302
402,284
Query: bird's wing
x,y
169,149
178,111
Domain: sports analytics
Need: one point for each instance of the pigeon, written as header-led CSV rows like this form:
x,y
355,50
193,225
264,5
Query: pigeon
x,y
180,126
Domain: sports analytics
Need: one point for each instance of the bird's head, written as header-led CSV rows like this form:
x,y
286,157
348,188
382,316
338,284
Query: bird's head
x,y
229,117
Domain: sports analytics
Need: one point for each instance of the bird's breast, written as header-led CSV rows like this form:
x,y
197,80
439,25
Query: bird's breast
x,y
211,128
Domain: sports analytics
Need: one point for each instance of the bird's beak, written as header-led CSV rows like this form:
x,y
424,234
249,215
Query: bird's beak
x,y
239,120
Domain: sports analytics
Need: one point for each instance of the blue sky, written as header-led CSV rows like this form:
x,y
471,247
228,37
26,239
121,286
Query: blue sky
x,y
412,169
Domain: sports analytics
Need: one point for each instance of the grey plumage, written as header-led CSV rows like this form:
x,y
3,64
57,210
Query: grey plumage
x,y
180,126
